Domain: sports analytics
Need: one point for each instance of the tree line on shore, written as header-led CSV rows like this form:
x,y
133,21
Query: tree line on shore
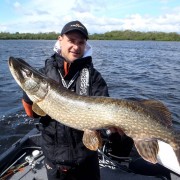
x,y
113,35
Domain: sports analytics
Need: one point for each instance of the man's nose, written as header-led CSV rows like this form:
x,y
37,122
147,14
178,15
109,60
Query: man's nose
x,y
75,46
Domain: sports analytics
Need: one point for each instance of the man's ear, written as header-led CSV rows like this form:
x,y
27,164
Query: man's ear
x,y
60,39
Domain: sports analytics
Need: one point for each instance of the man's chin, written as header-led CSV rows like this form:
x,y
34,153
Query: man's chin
x,y
73,58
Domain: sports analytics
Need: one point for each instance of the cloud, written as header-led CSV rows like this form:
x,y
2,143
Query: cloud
x,y
17,5
89,6
99,17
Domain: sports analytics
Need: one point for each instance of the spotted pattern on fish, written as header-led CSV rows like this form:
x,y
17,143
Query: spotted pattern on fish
x,y
145,121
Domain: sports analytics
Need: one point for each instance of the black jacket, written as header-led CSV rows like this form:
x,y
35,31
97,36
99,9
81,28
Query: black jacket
x,y
62,144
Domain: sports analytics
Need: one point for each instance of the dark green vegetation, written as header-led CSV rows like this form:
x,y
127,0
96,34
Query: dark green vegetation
x,y
113,35
136,35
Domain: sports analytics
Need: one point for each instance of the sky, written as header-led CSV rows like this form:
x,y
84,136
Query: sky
x,y
99,16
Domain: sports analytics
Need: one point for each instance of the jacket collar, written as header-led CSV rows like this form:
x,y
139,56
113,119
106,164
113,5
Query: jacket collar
x,y
76,66
79,63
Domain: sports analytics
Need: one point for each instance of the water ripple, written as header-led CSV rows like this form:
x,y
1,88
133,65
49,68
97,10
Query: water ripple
x,y
141,69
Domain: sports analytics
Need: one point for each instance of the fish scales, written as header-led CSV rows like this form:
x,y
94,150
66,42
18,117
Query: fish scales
x,y
95,113
144,121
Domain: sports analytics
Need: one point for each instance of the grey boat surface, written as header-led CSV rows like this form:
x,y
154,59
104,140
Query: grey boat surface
x,y
24,160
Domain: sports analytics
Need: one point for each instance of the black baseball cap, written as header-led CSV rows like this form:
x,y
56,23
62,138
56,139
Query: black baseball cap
x,y
75,26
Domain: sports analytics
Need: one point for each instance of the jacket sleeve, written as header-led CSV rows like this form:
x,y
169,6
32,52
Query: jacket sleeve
x,y
98,84
27,104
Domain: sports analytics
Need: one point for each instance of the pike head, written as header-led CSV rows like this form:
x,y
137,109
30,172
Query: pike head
x,y
30,80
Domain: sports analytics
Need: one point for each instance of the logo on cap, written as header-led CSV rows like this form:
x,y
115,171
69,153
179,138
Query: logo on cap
x,y
77,25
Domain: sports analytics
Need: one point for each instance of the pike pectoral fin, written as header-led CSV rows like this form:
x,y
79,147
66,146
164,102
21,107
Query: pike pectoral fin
x,y
38,110
92,139
148,149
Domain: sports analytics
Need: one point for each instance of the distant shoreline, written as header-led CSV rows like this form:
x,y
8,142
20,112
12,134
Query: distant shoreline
x,y
113,35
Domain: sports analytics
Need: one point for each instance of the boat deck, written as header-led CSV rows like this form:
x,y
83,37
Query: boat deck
x,y
39,173
18,163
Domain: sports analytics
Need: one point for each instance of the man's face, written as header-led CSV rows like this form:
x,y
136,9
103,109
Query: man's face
x,y
72,45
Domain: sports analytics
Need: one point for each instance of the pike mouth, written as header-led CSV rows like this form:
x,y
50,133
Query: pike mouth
x,y
10,62
21,73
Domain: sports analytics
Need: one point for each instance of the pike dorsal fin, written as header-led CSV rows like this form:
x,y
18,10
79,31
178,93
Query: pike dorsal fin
x,y
159,110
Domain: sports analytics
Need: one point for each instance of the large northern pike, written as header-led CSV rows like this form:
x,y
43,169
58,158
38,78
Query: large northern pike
x,y
145,121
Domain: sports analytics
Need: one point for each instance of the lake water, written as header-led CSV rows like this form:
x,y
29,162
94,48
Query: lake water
x,y
142,69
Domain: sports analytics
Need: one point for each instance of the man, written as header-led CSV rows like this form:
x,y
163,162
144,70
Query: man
x,y
71,65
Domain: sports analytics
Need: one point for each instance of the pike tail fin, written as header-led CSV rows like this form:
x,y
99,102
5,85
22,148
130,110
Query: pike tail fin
x,y
177,150
168,155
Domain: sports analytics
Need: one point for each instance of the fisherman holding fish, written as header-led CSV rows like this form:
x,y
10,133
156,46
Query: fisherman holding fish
x,y
71,65
61,92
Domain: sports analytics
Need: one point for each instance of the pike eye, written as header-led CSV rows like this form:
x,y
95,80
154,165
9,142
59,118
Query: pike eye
x,y
28,73
44,81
